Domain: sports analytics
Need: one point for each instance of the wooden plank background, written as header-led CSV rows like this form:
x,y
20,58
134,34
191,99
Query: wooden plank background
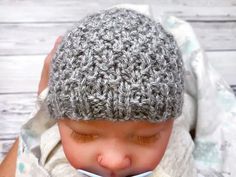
x,y
28,29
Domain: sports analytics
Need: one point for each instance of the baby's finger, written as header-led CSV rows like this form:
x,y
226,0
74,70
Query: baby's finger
x,y
45,72
48,59
56,44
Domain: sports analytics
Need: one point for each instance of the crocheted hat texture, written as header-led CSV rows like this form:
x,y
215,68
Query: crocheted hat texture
x,y
116,64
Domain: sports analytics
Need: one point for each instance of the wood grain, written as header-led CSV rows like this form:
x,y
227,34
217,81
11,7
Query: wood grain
x,y
14,112
20,73
32,39
70,10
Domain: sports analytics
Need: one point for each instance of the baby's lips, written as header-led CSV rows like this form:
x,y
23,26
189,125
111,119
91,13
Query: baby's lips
x,y
145,174
89,174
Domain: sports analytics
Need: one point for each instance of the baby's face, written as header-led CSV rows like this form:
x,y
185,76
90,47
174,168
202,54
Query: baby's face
x,y
114,148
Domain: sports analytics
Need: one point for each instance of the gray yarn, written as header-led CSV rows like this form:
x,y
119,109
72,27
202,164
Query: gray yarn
x,y
116,65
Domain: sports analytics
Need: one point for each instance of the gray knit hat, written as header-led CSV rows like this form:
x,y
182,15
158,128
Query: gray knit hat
x,y
117,64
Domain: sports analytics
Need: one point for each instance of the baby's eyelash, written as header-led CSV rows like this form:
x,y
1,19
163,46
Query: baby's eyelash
x,y
83,137
141,140
145,140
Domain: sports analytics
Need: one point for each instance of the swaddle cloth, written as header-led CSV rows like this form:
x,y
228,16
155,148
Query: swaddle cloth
x,y
215,138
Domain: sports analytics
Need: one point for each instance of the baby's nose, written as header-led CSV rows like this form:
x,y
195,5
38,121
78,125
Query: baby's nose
x,y
114,160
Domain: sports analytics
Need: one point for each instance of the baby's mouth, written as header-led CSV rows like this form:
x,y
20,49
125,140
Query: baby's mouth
x,y
145,174
89,174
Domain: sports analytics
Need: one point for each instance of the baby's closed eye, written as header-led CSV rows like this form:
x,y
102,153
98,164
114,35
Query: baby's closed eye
x,y
137,139
82,137
145,140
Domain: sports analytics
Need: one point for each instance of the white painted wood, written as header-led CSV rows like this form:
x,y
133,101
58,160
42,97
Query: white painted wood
x,y
216,36
14,112
22,73
70,10
31,39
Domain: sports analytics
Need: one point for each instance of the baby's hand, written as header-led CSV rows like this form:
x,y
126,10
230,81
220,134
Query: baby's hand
x,y
45,72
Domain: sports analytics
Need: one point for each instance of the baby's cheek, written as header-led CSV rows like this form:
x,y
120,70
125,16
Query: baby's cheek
x,y
79,155
150,159
156,157
72,155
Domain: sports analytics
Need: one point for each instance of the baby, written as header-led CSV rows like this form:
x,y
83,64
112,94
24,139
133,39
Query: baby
x,y
114,100
115,88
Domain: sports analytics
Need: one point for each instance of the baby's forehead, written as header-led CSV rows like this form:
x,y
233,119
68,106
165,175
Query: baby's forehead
x,y
113,125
